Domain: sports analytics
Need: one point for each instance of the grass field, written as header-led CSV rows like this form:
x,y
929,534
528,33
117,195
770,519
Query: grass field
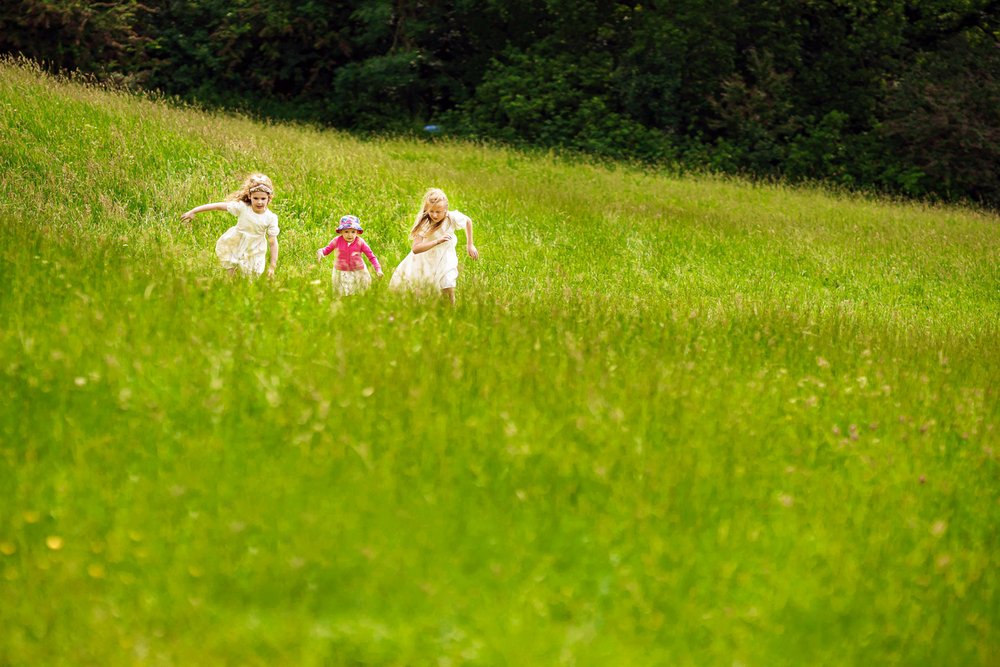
x,y
670,421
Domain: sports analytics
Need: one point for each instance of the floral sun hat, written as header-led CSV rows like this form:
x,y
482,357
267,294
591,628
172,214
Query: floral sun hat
x,y
350,222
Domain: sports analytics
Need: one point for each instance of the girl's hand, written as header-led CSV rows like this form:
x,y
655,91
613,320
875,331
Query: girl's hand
x,y
473,253
445,239
379,273
319,256
187,217
270,271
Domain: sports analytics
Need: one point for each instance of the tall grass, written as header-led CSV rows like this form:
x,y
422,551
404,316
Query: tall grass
x,y
670,420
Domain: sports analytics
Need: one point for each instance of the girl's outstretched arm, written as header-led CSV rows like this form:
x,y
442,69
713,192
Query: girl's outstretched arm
x,y
469,246
326,250
217,206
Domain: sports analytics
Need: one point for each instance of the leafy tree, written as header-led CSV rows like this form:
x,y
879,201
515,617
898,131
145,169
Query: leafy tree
x,y
943,118
899,94
755,115
247,52
75,35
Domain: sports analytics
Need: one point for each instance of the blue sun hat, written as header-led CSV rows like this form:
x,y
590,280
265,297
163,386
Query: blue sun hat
x,y
350,222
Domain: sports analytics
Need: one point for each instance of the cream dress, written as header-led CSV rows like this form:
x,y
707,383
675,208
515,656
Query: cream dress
x,y
436,268
244,245
346,283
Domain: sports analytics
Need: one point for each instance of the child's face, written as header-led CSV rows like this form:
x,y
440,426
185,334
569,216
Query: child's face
x,y
436,212
259,201
349,235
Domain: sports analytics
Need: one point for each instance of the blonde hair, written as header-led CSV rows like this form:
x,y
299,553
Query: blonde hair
x,y
423,222
253,183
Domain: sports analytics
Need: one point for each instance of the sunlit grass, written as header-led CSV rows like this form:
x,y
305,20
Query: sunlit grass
x,y
670,420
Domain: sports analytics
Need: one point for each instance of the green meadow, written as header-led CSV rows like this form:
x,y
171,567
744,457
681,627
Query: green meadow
x,y
671,420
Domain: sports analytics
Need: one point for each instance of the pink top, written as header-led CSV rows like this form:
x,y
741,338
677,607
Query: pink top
x,y
349,255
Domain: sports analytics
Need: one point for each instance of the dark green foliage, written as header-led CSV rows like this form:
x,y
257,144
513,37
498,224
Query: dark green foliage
x,y
754,115
943,118
274,55
898,95
382,92
821,150
557,103
102,38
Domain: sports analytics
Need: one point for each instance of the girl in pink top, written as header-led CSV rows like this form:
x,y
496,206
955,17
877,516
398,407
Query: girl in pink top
x,y
350,276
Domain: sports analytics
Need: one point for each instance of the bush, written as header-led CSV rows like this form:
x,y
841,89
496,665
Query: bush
x,y
819,151
943,120
377,93
557,103
65,35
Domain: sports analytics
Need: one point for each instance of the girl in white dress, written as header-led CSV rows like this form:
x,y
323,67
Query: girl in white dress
x,y
432,263
247,244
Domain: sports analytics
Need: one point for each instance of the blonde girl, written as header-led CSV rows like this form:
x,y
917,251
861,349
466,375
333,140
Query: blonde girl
x,y
433,263
246,245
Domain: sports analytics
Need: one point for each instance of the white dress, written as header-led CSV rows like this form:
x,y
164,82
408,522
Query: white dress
x,y
244,245
436,268
346,283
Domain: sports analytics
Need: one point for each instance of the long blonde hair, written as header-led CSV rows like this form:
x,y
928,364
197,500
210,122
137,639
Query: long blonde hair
x,y
423,222
253,183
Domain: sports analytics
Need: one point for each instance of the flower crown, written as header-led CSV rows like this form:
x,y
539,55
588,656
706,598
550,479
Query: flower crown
x,y
261,187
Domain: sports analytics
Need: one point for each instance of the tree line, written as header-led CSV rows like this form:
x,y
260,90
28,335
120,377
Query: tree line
x,y
899,96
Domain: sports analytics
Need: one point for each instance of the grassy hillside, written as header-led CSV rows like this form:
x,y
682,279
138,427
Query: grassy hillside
x,y
670,420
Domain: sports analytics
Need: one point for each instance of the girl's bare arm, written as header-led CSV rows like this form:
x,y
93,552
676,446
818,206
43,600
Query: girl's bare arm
x,y
217,206
272,246
422,245
469,245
